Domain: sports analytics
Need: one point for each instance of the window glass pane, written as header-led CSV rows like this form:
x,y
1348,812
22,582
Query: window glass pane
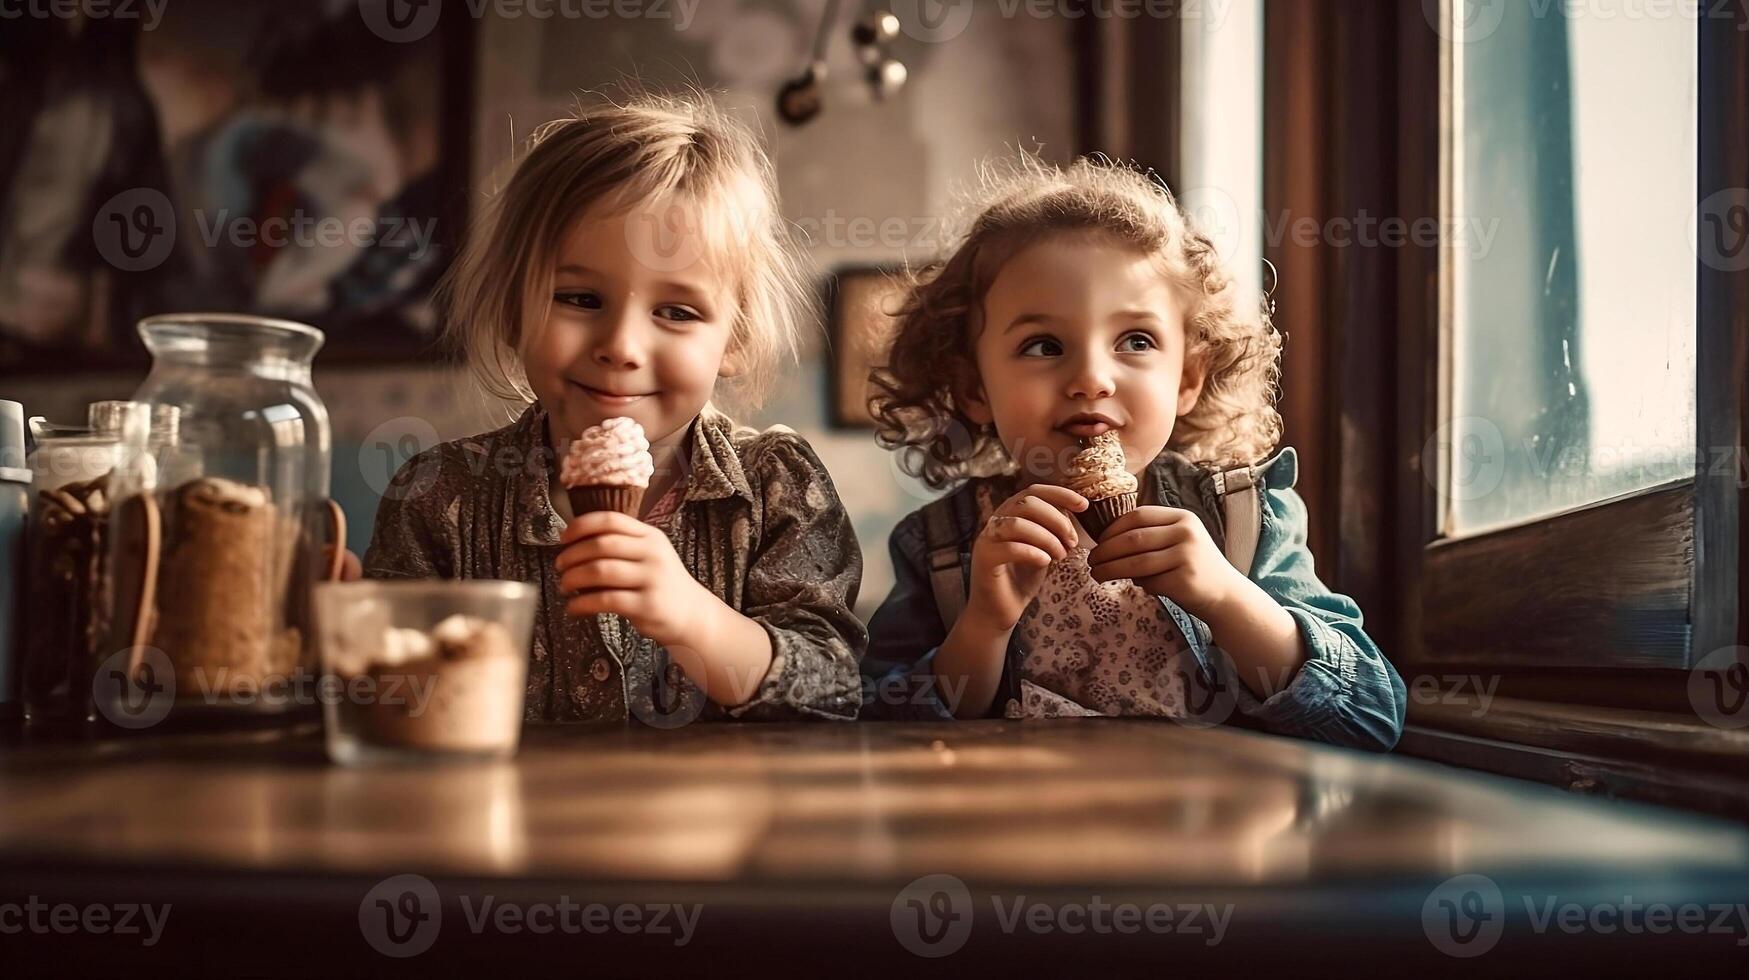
x,y
1572,176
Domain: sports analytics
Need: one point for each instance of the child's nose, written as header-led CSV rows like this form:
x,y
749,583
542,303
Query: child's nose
x,y
618,346
1092,380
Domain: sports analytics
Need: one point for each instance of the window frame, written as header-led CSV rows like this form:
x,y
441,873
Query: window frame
x,y
1668,554
1352,120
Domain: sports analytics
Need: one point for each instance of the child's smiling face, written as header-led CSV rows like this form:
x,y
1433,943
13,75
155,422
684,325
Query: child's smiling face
x,y
1081,335
624,338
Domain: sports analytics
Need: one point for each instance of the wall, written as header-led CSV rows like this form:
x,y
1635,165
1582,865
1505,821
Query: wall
x,y
1001,83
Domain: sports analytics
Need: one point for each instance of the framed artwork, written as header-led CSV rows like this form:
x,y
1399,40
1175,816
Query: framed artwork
x,y
861,302
255,156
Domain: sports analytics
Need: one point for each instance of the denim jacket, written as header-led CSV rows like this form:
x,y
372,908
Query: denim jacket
x,y
1346,693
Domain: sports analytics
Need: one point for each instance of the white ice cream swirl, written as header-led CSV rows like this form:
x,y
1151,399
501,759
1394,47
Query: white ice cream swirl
x,y
613,454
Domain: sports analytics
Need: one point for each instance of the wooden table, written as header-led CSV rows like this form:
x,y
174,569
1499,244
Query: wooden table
x,y
839,849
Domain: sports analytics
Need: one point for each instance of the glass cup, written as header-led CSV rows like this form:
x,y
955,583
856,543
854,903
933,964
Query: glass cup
x,y
423,669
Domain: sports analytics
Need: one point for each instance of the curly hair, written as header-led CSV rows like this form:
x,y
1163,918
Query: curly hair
x,y
919,392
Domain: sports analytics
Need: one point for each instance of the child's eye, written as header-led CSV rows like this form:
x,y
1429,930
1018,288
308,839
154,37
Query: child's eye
x,y
678,313
1136,343
1041,347
581,301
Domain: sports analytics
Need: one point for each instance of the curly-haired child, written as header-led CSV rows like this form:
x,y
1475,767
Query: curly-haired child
x,y
1084,315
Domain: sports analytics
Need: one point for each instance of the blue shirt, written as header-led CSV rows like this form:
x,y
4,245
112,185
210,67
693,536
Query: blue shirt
x,y
1346,693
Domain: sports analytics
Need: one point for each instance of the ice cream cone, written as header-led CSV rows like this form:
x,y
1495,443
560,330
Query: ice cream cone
x,y
587,500
1102,513
1098,472
608,467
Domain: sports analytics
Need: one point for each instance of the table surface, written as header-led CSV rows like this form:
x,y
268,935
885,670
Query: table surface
x,y
806,816
1052,802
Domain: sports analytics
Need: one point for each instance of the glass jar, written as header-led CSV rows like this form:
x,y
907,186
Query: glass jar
x,y
66,585
114,418
215,545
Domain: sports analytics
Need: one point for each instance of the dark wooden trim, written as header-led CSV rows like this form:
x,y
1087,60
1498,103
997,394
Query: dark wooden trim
x,y
1662,690
1419,159
1090,109
1582,773
1156,114
1604,586
1129,92
1675,738
1300,88
1722,348
1363,283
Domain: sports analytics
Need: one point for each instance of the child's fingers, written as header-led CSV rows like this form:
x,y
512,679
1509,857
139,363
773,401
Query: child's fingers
x,y
604,573
1056,496
601,522
1039,511
1136,566
1019,529
1145,517
624,602
611,545
1019,553
1137,541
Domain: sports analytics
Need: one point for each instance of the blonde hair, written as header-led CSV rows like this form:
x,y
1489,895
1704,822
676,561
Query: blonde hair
x,y
919,392
653,150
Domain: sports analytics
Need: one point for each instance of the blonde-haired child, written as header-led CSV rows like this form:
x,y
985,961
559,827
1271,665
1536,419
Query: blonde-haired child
x,y
1081,302
635,258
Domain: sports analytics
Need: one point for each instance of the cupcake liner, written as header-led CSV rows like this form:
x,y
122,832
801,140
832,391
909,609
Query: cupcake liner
x,y
588,499
1100,513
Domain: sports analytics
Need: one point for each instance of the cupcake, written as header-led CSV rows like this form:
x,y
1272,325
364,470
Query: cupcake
x,y
608,468
1098,472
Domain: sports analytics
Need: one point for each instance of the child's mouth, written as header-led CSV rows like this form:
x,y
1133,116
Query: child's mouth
x,y
1082,428
614,399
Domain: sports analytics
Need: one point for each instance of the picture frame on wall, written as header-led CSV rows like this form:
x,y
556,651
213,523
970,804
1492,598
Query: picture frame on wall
x,y
250,156
861,301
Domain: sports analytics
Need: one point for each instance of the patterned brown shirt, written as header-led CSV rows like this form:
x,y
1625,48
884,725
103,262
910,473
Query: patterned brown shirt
x,y
760,525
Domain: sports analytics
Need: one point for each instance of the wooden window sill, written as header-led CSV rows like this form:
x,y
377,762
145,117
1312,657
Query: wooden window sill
x,y
1624,753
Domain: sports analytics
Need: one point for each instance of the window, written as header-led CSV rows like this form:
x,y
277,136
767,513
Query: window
x,y
1572,151
1544,488
1578,346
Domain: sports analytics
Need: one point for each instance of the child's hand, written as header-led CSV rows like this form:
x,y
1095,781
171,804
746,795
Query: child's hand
x,y
351,569
1168,552
1024,535
622,565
